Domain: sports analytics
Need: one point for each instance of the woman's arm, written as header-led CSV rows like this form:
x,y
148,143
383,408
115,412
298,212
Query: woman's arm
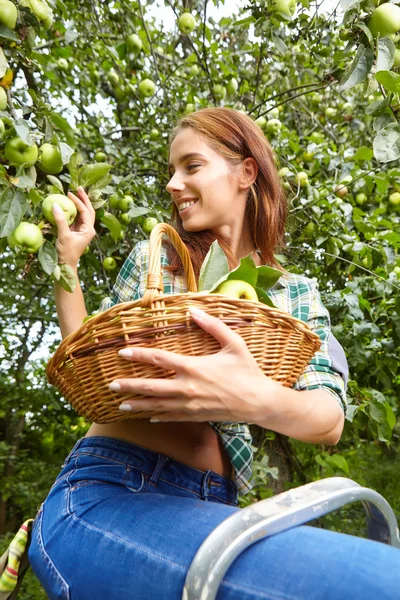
x,y
71,309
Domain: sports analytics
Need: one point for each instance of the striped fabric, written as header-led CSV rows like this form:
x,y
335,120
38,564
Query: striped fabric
x,y
295,294
11,560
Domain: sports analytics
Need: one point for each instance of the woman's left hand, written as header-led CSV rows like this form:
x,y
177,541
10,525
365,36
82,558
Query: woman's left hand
x,y
226,386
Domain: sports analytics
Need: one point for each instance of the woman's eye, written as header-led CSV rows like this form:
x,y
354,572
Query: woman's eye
x,y
193,166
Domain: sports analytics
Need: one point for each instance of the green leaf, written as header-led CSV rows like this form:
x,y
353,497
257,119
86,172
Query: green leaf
x,y
387,143
137,211
359,68
385,50
245,271
338,461
22,130
73,171
390,416
363,153
348,4
66,152
378,108
8,34
47,256
90,174
279,43
56,182
59,122
215,266
263,297
68,280
245,21
267,276
389,80
13,206
112,224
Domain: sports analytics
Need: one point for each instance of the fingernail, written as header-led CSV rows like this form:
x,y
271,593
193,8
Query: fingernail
x,y
154,420
56,208
115,386
197,312
125,353
125,407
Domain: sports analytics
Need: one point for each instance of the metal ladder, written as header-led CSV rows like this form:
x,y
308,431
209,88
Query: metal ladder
x,y
277,514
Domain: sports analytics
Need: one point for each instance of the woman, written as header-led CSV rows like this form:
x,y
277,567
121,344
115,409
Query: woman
x,y
135,500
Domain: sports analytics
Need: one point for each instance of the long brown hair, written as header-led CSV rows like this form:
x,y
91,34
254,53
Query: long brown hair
x,y
235,136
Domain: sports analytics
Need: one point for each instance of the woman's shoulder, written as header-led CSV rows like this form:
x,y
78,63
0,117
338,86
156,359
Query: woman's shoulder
x,y
297,281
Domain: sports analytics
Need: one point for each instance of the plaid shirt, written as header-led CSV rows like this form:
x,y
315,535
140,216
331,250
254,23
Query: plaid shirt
x,y
295,294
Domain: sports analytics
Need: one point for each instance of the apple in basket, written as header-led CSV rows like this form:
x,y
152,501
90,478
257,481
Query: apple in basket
x,y
235,288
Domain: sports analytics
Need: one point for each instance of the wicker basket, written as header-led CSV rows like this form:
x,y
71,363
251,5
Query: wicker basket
x,y
87,360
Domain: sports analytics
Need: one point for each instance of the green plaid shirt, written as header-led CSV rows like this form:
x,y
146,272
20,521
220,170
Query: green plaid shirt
x,y
295,294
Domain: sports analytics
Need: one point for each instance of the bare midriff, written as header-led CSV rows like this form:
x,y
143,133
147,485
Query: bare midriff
x,y
194,444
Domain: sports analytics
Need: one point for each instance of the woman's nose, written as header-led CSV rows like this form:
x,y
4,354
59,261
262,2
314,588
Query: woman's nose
x,y
174,184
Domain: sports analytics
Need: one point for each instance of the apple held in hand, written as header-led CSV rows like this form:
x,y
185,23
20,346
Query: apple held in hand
x,y
385,20
28,236
134,42
186,23
149,224
64,202
235,288
147,87
109,263
8,14
3,97
19,153
50,160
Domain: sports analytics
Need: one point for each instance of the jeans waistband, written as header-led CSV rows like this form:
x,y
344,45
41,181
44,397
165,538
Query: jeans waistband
x,y
156,464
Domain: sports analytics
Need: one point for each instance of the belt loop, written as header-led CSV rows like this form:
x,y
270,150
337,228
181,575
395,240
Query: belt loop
x,y
162,460
78,443
205,486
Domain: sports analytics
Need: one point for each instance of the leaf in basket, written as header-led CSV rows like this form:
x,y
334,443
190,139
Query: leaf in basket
x,y
263,297
267,276
67,278
245,271
112,224
215,266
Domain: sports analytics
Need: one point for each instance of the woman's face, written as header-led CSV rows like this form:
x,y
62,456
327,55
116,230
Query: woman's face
x,y
205,177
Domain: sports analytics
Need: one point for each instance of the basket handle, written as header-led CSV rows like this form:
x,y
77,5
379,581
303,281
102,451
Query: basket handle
x,y
155,285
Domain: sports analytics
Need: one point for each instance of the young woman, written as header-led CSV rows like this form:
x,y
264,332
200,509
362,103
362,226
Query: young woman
x,y
135,500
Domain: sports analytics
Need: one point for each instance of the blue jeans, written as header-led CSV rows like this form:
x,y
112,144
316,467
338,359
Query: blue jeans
x,y
124,522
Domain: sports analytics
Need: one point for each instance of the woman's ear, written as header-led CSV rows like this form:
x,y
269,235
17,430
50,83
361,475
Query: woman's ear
x,y
249,172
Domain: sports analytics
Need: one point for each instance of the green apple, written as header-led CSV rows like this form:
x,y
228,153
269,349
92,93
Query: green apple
x,y
261,122
147,87
109,263
113,77
12,242
186,23
284,8
232,86
2,128
194,70
154,133
100,157
8,14
114,201
397,271
274,113
189,108
385,20
341,190
125,203
348,108
284,172
19,153
309,229
134,42
68,206
317,137
125,218
3,99
41,9
219,91
396,62
361,198
308,156
50,160
62,64
330,112
302,179
394,198
28,236
273,126
235,288
149,224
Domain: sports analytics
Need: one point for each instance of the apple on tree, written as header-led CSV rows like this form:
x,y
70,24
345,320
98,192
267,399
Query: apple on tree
x,y
186,23
18,152
113,77
28,236
194,70
41,9
396,62
361,198
100,157
2,128
62,64
8,14
235,288
3,98
125,218
219,91
67,205
385,20
154,133
125,203
394,198
261,122
273,126
113,201
284,172
134,42
147,87
302,179
232,86
283,8
109,263
50,160
149,224
189,108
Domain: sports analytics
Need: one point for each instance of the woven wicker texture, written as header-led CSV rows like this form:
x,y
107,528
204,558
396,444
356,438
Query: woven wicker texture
x,y
87,360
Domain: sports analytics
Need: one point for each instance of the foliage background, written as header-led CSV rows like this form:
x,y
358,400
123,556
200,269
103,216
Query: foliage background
x,y
349,243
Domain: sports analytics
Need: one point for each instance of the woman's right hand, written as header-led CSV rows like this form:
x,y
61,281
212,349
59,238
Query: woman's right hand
x,y
72,241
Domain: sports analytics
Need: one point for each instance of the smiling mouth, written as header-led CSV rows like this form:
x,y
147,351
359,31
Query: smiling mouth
x,y
187,206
